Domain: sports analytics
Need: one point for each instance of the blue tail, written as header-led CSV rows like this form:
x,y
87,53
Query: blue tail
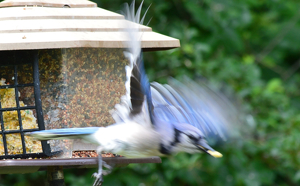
x,y
68,133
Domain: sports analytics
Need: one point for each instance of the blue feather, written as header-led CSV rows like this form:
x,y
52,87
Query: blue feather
x,y
63,133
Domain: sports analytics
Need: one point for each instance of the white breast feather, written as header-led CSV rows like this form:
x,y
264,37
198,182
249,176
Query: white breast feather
x,y
129,139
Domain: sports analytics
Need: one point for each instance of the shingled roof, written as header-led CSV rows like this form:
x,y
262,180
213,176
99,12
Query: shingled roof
x,y
44,24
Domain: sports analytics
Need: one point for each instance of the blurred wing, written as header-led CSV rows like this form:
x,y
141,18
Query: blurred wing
x,y
166,106
136,104
188,102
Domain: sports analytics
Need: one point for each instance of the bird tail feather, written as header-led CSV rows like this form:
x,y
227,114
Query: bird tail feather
x,y
68,133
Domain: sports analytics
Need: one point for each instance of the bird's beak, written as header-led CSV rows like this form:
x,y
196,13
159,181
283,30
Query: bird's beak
x,y
207,149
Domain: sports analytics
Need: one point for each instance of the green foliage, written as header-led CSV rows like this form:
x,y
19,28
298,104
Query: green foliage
x,y
250,47
37,178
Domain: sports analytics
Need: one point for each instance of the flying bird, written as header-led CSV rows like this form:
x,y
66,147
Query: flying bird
x,y
154,119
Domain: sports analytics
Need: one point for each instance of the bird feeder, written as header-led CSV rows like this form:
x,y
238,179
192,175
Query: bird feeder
x,y
61,68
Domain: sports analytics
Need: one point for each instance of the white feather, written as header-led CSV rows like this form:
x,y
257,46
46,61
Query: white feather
x,y
121,113
129,139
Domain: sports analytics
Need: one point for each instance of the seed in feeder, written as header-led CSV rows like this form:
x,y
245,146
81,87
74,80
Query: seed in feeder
x,y
11,122
32,145
14,144
1,146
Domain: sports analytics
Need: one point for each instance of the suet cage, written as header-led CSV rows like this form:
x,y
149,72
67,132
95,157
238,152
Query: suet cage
x,y
20,106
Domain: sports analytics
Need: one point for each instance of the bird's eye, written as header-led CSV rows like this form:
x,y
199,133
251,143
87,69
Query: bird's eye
x,y
193,138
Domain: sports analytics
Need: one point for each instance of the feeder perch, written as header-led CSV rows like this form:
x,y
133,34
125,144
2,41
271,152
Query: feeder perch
x,y
61,68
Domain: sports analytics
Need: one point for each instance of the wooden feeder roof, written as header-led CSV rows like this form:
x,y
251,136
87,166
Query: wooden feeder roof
x,y
45,24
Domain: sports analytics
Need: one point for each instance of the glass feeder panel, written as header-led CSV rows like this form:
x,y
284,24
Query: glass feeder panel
x,y
14,144
32,145
26,96
29,120
11,120
25,74
79,86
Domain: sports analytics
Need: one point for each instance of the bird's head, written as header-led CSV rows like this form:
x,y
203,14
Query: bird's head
x,y
192,140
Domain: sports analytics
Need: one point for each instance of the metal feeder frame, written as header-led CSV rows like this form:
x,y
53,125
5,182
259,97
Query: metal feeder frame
x,y
24,57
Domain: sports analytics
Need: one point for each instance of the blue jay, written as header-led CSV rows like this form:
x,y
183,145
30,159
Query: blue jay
x,y
154,119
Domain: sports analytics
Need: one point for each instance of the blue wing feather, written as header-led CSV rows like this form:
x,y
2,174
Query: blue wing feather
x,y
190,103
136,105
175,103
145,86
63,133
